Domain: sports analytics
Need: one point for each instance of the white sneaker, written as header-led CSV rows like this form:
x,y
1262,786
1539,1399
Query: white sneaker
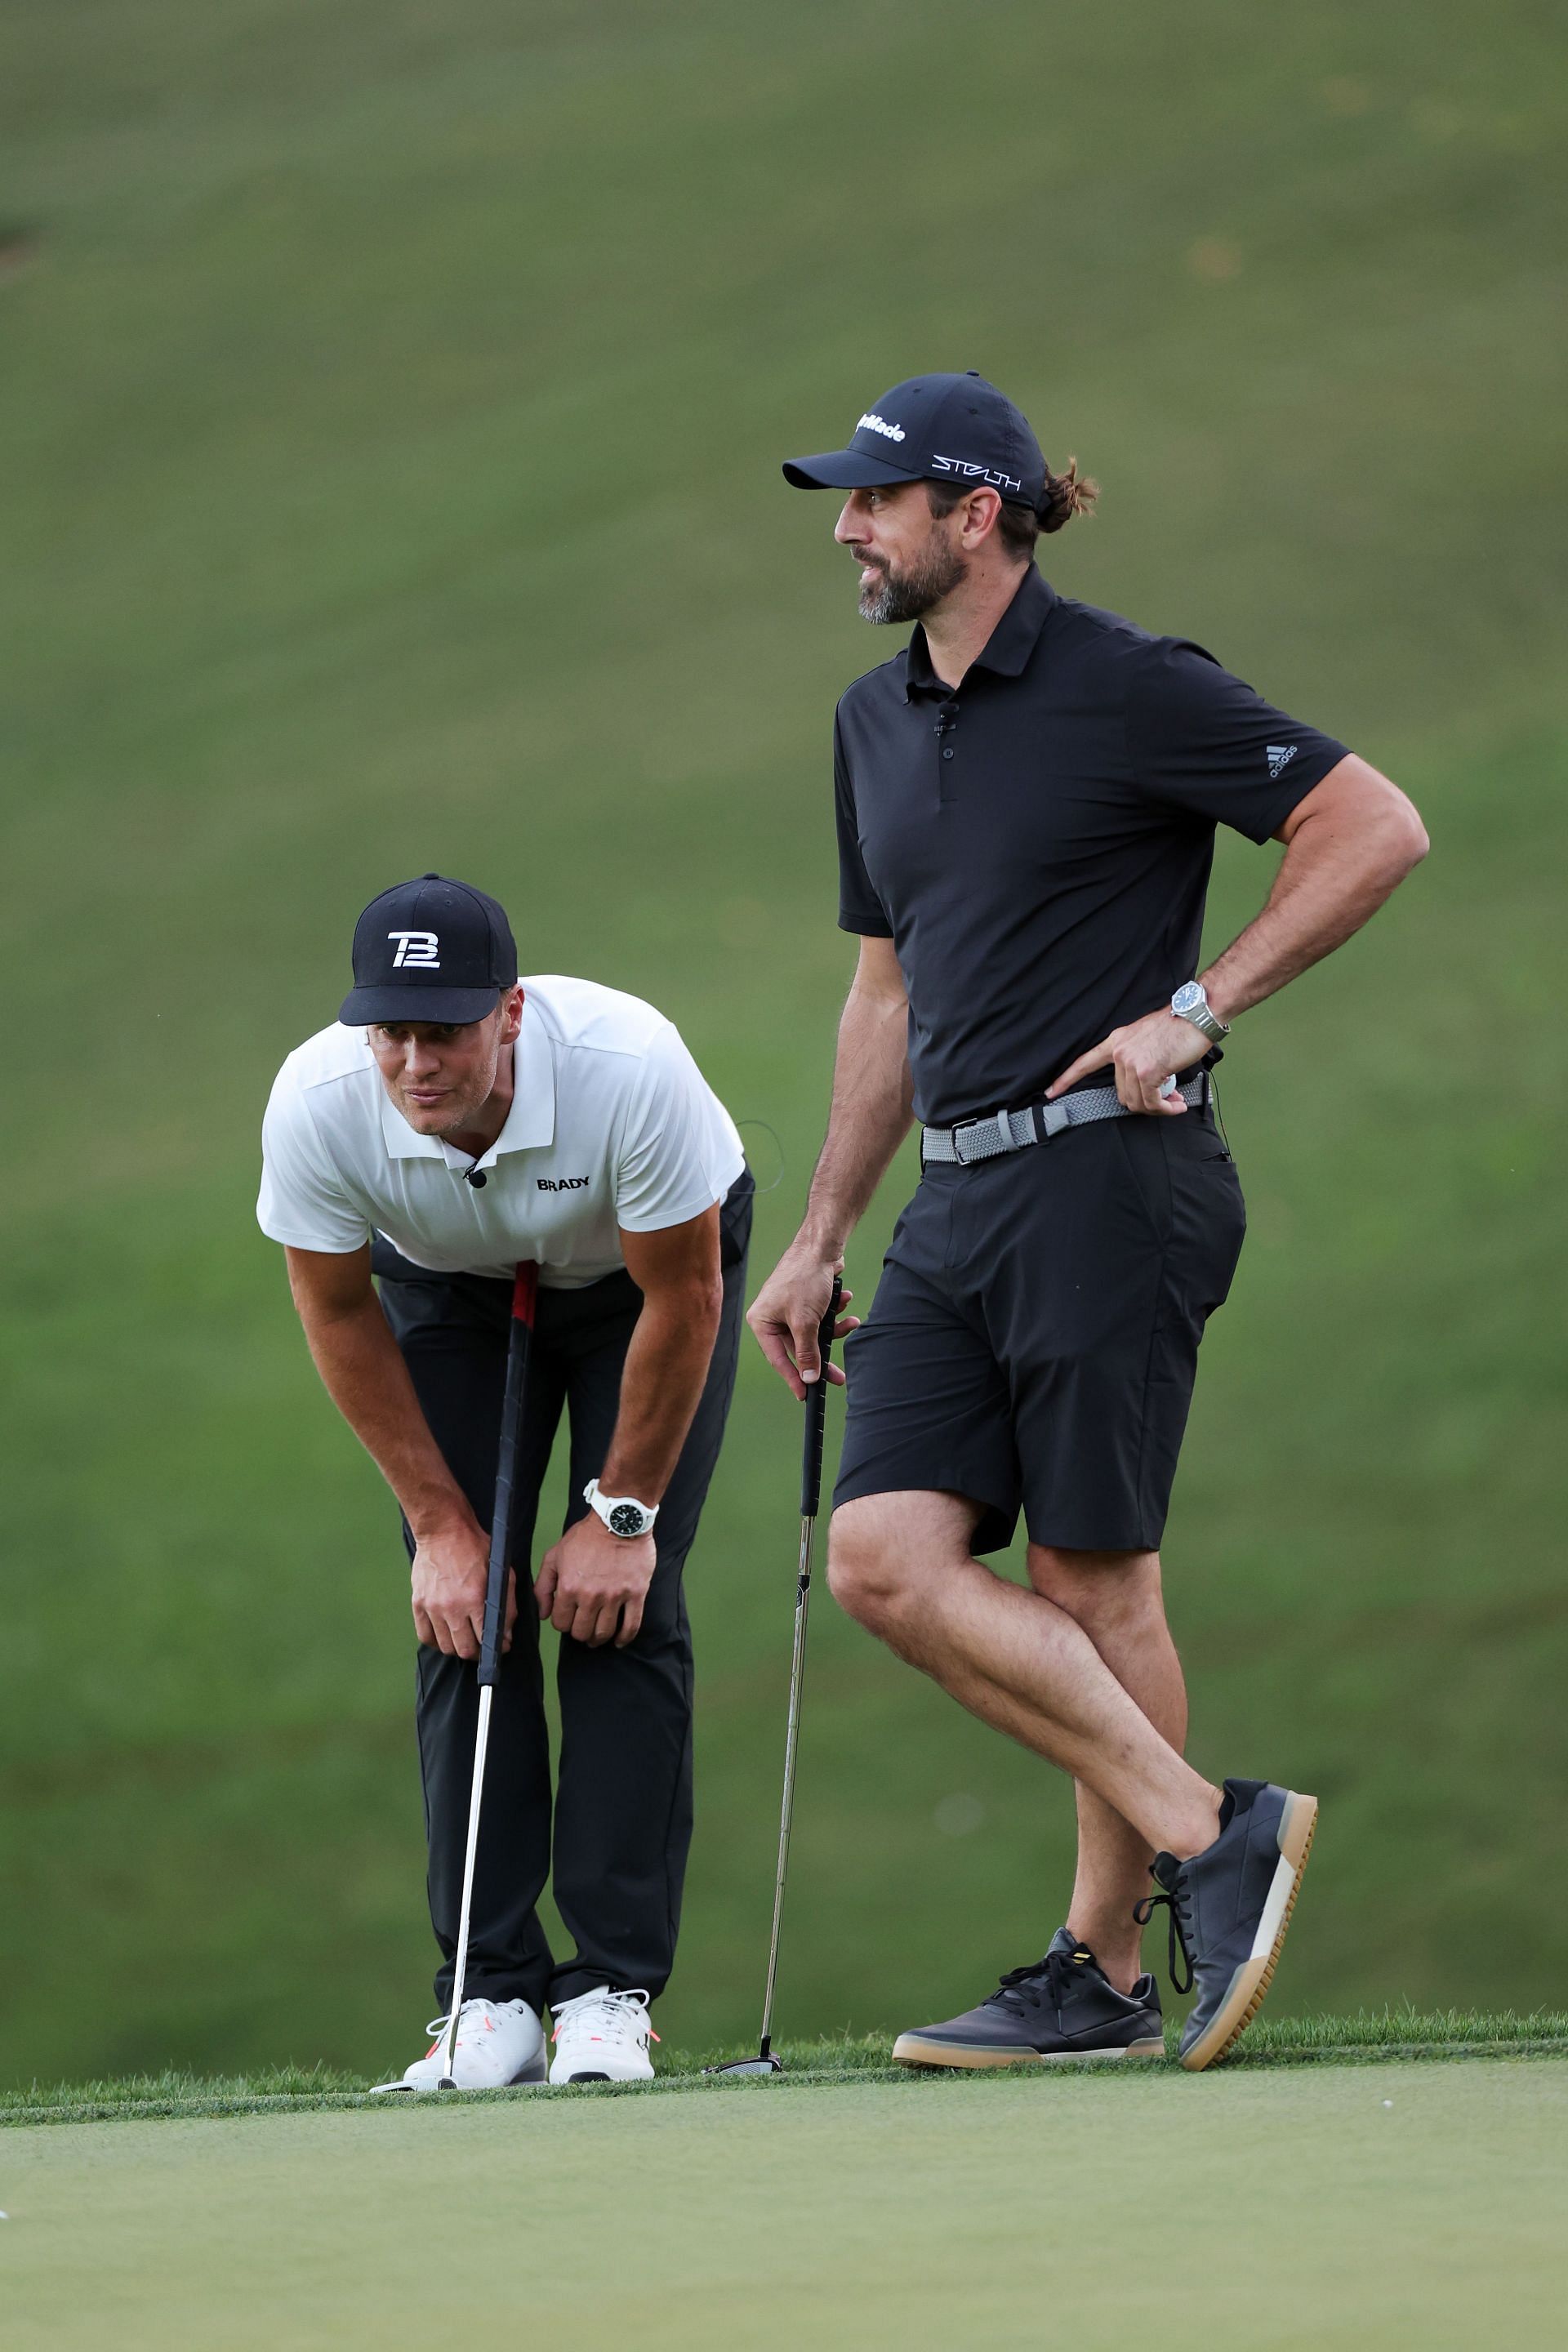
x,y
603,2037
498,2041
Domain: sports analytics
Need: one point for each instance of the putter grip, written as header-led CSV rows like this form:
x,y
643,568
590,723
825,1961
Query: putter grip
x,y
816,1410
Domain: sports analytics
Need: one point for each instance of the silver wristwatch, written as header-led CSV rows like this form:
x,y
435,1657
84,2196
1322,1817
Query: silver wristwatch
x,y
1191,1002
622,1513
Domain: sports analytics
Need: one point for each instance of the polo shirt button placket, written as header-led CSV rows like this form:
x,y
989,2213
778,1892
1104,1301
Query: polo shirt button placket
x,y
946,722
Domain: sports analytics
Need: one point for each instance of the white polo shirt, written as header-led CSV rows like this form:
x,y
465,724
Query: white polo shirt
x,y
612,1125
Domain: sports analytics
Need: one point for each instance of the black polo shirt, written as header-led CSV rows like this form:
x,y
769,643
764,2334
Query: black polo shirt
x,y
1037,843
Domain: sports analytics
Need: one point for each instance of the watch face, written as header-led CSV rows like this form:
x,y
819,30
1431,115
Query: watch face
x,y
1187,998
625,1520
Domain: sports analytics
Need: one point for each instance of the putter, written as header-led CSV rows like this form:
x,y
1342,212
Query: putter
x,y
524,1292
767,2062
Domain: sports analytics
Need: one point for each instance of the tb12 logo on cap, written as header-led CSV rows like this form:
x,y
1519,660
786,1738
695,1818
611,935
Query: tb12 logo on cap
x,y
416,950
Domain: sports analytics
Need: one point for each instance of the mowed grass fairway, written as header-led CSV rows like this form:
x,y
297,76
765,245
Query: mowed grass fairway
x,y
390,422
1376,2207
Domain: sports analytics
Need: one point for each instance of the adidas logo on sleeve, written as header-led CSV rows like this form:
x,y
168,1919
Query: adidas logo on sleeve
x,y
1280,758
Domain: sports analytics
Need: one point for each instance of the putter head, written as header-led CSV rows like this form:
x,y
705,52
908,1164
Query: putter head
x,y
765,2064
445,2083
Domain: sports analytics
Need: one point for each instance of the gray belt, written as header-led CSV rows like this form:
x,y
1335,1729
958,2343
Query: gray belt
x,y
1011,1130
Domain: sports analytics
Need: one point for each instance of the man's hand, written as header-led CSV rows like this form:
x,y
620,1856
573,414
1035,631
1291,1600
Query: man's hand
x,y
1144,1055
450,1571
593,1583
786,1315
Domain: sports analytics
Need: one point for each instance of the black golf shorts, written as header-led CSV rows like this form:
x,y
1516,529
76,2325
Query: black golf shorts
x,y
1034,1338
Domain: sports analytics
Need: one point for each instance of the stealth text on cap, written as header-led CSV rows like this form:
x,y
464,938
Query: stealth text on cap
x,y
872,422
986,473
417,948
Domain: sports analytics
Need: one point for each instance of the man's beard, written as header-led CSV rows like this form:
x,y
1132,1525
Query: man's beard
x,y
891,598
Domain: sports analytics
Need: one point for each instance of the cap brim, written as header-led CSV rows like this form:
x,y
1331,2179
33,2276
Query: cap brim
x,y
845,469
453,1004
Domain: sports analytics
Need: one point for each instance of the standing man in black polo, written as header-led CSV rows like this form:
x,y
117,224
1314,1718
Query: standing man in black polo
x,y
1027,803
451,1122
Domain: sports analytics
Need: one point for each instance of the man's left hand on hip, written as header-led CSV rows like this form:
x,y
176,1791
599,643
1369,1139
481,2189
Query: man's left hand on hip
x,y
1142,1055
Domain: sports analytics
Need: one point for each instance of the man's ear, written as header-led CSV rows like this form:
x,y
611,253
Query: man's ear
x,y
510,1016
981,509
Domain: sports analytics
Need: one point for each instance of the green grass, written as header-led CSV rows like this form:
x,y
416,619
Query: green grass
x,y
388,446
1370,2207
1396,2035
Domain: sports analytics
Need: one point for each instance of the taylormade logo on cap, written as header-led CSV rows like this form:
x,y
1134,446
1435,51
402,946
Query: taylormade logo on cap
x,y
870,422
415,947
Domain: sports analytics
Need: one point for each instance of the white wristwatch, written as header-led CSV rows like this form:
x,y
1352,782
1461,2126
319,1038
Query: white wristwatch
x,y
622,1513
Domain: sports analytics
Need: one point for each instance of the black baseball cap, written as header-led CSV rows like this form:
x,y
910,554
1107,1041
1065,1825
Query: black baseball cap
x,y
430,950
935,428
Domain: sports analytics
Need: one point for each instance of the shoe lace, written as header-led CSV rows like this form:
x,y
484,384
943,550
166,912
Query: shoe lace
x,y
1035,1984
1174,1901
437,2025
619,2016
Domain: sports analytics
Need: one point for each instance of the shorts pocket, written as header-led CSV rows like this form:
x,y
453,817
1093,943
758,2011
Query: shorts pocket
x,y
1143,1148
1210,1225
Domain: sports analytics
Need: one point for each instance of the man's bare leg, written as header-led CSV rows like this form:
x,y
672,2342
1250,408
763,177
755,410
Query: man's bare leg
x,y
900,1564
1116,1597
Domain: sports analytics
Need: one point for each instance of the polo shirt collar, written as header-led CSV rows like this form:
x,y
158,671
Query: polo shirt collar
x,y
1006,650
529,1123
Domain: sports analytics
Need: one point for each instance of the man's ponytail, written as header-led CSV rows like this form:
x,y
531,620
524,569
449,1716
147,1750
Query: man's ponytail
x,y
1018,526
1066,494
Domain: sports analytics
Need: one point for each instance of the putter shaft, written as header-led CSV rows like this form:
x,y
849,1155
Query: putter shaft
x,y
792,1744
481,1742
810,1497
524,1298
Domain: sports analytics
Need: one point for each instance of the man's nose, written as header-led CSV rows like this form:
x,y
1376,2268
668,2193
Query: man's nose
x,y
850,525
423,1061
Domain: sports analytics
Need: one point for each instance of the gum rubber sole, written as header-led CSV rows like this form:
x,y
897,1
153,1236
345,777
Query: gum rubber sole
x,y
912,2050
1252,1979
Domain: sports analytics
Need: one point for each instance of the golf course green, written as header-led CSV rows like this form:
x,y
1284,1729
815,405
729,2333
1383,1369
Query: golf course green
x,y
390,424
1373,2207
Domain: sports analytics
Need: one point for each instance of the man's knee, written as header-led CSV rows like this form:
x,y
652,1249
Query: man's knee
x,y
863,1564
1098,1587
885,1552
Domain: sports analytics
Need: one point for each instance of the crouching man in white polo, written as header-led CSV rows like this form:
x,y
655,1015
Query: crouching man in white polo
x,y
451,1124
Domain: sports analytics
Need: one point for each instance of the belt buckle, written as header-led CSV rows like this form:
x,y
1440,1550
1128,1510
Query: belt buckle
x,y
1000,1121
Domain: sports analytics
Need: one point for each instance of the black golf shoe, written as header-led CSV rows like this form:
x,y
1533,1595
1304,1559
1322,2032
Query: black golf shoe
x,y
1229,1908
1063,2006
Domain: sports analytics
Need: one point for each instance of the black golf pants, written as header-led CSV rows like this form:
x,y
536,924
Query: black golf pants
x,y
622,1804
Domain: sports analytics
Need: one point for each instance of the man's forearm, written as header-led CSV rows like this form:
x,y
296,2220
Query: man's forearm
x,y
368,1380
869,1118
1340,865
661,1385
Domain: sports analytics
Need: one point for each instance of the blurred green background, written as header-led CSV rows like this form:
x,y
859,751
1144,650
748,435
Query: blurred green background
x,y
390,421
